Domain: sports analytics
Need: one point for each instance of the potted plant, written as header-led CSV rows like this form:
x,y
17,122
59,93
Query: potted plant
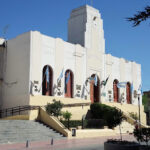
x,y
114,144
143,135
113,118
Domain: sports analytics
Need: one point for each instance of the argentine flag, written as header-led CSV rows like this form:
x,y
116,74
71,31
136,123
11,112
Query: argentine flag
x,y
104,82
132,88
47,74
95,80
68,77
121,84
140,88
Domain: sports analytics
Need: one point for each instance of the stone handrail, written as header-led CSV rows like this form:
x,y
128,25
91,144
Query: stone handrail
x,y
132,121
53,122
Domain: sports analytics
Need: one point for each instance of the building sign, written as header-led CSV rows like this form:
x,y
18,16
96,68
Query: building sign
x,y
59,83
78,87
135,93
103,94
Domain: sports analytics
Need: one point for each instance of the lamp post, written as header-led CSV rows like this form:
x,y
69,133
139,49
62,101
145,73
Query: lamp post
x,y
139,93
139,111
83,118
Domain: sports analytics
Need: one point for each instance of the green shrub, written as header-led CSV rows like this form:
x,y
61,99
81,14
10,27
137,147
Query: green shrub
x,y
133,115
90,123
54,108
96,111
111,115
142,135
95,123
73,123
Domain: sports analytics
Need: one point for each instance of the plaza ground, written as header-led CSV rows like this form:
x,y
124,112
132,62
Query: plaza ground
x,y
66,144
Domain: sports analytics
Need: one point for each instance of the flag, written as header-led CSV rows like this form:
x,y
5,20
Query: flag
x,y
68,77
132,88
91,78
61,75
140,88
121,84
47,74
104,82
95,80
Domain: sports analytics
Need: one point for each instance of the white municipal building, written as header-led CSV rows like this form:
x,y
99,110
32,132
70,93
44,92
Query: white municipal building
x,y
34,65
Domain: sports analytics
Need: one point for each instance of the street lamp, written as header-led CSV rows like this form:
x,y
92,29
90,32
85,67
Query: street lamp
x,y
138,94
83,118
139,111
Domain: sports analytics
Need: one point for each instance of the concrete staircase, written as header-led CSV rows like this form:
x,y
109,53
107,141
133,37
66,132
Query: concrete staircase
x,y
14,131
125,128
127,108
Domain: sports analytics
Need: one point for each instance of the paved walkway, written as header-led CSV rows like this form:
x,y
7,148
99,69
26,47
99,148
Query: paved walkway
x,y
65,144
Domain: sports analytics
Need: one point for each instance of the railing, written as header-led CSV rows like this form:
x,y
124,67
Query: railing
x,y
77,105
16,110
133,121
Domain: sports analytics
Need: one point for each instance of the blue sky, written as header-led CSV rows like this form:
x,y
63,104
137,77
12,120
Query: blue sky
x,y
50,18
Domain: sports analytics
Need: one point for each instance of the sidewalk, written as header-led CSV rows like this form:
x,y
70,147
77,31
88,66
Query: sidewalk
x,y
65,144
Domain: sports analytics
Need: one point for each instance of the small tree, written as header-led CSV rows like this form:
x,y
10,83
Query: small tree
x,y
142,135
113,117
54,108
67,116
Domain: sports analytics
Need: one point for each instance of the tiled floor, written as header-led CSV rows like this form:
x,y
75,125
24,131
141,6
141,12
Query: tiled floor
x,y
65,144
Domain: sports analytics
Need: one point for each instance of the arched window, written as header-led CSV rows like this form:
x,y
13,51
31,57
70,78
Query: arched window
x,y
95,89
69,84
116,91
128,93
47,81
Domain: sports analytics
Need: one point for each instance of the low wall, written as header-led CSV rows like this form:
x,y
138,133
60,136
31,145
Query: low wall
x,y
77,111
91,133
53,122
43,100
33,114
17,117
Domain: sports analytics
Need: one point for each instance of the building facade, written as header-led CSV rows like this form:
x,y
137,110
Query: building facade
x,y
36,64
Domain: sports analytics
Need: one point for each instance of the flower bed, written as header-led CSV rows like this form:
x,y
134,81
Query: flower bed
x,y
120,145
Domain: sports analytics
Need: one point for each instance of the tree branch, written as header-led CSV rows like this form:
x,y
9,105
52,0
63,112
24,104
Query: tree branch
x,y
140,16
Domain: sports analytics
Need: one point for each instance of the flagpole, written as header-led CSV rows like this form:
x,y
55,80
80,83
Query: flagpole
x,y
139,111
139,93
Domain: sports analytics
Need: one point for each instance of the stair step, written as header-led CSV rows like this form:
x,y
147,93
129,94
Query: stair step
x,y
13,131
125,128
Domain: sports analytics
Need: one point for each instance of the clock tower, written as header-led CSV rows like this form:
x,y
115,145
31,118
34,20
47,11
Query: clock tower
x,y
85,27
